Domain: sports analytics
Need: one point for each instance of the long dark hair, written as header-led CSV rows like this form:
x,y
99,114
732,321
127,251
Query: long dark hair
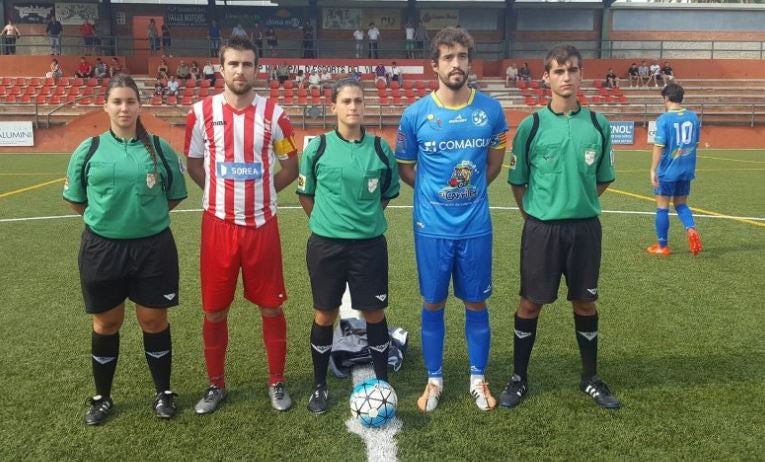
x,y
125,81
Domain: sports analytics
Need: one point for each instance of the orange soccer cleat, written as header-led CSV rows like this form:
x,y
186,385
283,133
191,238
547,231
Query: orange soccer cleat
x,y
657,250
694,241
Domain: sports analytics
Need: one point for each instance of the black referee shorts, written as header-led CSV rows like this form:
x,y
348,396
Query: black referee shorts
x,y
145,270
550,249
362,263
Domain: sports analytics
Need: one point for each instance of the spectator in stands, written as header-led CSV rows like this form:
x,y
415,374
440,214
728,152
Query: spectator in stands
x,y
300,79
524,73
196,74
116,68
238,32
88,32
209,72
271,72
395,73
84,70
612,80
282,73
667,74
100,70
153,35
644,73
213,37
272,41
10,33
183,71
163,71
633,74
257,38
307,40
356,75
314,81
358,38
373,34
159,88
655,71
420,37
173,86
54,29
54,70
409,43
511,75
472,81
381,74
167,41
326,79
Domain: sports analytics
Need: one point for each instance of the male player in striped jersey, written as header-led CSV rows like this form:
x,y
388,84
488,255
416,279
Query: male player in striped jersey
x,y
233,140
456,139
673,166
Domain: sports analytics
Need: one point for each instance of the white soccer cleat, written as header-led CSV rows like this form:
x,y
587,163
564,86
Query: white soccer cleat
x,y
480,392
429,400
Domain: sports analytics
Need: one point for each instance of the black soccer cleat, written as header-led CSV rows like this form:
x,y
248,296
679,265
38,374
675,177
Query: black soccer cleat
x,y
514,392
164,404
598,390
317,403
99,410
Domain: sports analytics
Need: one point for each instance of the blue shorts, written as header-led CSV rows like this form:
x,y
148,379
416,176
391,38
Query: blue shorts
x,y
673,188
466,261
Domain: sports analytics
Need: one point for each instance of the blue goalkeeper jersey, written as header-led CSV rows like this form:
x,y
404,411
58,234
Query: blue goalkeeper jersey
x,y
677,131
450,146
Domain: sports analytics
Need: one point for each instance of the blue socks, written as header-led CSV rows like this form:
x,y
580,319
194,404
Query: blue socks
x,y
685,215
433,331
478,339
662,226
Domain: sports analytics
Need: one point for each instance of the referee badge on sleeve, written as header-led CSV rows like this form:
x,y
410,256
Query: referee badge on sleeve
x,y
513,161
301,182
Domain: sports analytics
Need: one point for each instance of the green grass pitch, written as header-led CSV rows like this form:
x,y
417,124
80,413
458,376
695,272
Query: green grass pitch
x,y
681,342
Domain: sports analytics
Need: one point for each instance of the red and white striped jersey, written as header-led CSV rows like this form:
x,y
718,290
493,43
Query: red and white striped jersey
x,y
240,149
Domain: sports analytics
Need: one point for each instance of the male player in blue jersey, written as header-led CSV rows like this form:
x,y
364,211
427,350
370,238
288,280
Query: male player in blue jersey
x,y
456,138
673,166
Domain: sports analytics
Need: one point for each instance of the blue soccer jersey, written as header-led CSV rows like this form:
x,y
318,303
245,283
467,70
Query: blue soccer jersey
x,y
450,146
677,131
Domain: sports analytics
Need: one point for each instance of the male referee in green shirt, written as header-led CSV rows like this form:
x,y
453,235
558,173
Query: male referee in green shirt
x,y
562,162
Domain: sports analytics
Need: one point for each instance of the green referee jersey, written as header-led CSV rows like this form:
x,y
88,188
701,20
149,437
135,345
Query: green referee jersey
x,y
565,162
125,198
348,183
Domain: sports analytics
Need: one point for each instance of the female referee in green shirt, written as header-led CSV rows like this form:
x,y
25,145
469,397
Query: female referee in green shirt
x,y
124,183
346,179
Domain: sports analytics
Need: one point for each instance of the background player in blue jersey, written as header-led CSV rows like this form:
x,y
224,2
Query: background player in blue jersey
x,y
673,166
456,137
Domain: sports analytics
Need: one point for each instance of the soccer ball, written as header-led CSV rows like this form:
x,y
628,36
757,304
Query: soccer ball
x,y
373,402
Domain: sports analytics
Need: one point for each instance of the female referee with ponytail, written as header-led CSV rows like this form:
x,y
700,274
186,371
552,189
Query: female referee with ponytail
x,y
124,182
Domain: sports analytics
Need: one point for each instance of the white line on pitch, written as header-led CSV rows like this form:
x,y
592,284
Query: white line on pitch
x,y
404,207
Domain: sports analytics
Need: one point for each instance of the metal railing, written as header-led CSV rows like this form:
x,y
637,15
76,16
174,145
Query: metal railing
x,y
389,49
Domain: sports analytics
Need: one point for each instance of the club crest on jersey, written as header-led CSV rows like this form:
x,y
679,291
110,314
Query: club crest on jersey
x,y
589,156
479,118
459,187
151,179
372,184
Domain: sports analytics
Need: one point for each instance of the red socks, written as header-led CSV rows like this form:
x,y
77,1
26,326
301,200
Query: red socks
x,y
215,336
275,341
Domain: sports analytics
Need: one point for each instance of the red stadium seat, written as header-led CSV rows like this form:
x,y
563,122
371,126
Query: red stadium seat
x,y
382,99
41,99
394,85
411,99
302,96
289,94
55,99
623,99
534,84
87,91
204,83
315,99
432,85
583,100
172,100
327,95
85,101
397,99
100,100
78,82
105,82
597,99
530,101
30,90
188,99
597,83
521,84
71,98
92,82
64,82
289,84
49,82
380,84
190,83
156,100
7,82
204,91
408,84
21,81
220,83
11,98
274,92
3,91
395,92
542,101
273,84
